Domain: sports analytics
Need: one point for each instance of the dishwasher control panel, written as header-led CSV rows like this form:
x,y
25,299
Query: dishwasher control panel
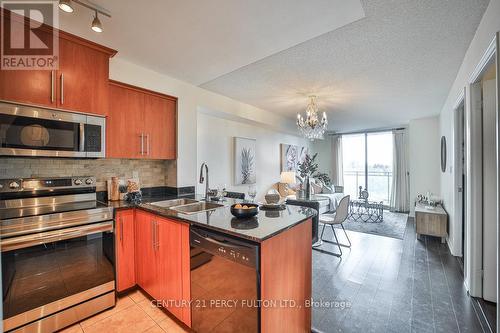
x,y
236,250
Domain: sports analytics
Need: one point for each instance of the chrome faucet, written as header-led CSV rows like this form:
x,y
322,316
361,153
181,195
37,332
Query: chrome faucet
x,y
202,179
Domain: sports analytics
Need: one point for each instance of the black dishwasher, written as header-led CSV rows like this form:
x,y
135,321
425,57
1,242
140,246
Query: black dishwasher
x,y
224,283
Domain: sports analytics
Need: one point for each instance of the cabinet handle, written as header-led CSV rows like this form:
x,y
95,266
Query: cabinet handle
x,y
153,234
52,86
157,235
62,88
121,229
142,143
147,144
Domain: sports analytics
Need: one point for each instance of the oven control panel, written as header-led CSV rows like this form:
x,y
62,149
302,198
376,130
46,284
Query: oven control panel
x,y
38,184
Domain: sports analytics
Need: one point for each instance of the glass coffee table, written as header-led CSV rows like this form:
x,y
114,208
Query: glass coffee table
x,y
366,211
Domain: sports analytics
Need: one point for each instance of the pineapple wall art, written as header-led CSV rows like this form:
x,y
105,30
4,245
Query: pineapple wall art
x,y
244,161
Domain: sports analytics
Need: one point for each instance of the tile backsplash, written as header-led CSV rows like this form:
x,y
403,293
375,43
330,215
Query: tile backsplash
x,y
151,172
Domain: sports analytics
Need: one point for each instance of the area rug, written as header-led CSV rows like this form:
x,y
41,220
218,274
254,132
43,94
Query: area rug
x,y
394,225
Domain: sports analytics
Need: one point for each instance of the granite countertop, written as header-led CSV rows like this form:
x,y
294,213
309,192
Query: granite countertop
x,y
259,228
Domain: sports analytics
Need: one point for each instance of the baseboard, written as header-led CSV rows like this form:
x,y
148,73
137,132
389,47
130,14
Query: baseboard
x,y
478,306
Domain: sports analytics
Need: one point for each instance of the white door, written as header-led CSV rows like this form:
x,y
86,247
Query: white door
x,y
489,192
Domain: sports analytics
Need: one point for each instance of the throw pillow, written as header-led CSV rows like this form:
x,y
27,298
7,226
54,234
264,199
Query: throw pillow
x,y
327,189
316,188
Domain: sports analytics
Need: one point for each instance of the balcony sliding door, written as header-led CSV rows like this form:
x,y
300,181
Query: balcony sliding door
x,y
354,163
367,162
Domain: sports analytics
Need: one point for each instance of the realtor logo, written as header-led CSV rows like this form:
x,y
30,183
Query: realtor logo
x,y
26,41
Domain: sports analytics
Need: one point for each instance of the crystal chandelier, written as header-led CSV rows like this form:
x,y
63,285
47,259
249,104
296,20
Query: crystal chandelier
x,y
311,127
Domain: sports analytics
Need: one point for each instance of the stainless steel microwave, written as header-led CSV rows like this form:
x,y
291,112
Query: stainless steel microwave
x,y
36,131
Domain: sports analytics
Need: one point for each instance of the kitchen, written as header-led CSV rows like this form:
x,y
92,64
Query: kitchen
x,y
67,252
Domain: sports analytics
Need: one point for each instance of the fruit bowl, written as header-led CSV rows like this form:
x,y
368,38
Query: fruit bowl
x,y
244,210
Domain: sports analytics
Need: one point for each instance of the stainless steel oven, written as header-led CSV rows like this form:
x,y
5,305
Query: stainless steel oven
x,y
57,247
35,131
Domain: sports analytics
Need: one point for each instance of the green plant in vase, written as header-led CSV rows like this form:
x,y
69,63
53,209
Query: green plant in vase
x,y
309,168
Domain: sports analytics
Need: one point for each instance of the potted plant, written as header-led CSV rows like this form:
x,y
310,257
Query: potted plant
x,y
309,168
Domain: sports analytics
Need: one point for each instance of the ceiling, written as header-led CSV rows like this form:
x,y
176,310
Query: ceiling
x,y
198,41
372,64
396,64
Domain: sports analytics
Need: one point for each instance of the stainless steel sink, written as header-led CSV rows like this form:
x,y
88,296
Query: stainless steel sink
x,y
174,202
197,207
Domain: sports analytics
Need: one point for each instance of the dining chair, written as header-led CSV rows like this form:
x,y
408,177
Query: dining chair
x,y
340,216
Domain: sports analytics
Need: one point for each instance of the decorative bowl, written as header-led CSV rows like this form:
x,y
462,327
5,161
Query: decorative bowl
x,y
252,210
272,198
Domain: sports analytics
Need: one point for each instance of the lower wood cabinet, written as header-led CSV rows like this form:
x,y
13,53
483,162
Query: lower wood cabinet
x,y
146,256
161,261
173,266
125,250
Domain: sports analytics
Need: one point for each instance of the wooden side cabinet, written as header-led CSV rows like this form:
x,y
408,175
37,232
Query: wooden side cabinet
x,y
431,221
125,249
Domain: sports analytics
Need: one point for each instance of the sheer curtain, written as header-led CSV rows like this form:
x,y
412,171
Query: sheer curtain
x,y
337,170
400,195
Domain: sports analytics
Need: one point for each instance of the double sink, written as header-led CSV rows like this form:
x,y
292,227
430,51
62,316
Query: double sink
x,y
187,206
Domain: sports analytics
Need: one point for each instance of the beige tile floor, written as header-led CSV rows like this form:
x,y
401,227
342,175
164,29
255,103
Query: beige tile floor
x,y
133,313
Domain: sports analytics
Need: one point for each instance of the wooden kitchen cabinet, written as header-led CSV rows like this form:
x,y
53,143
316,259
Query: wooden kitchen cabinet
x,y
79,84
162,262
141,123
174,270
160,126
125,249
123,135
146,257
28,86
82,78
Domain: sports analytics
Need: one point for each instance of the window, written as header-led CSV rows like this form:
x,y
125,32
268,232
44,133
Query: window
x,y
367,163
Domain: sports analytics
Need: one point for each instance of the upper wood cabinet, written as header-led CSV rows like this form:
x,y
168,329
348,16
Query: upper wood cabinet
x,y
141,123
82,78
80,83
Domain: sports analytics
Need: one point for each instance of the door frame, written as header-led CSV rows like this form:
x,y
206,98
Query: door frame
x,y
458,171
473,126
497,61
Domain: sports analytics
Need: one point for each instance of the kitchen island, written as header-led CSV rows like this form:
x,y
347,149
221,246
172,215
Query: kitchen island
x,y
269,290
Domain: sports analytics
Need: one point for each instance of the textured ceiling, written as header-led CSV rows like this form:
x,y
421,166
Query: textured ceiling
x,y
197,41
396,64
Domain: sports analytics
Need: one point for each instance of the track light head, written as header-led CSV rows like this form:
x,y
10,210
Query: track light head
x,y
96,24
66,6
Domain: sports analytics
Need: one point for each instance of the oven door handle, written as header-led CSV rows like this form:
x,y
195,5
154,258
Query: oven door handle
x,y
22,242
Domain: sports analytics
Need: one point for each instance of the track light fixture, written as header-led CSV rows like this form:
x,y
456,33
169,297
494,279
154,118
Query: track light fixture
x,y
67,6
96,24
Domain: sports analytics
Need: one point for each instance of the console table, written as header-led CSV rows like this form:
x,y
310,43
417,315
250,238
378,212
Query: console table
x,y
432,221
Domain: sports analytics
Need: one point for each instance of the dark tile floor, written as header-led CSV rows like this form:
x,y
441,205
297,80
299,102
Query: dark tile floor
x,y
391,285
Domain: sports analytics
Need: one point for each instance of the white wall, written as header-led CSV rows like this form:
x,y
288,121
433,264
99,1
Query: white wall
x,y
485,33
324,150
425,158
215,146
190,98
